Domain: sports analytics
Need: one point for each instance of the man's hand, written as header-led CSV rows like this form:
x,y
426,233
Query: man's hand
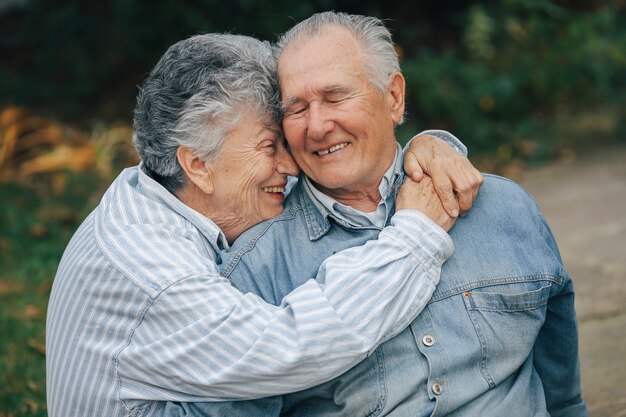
x,y
422,196
455,179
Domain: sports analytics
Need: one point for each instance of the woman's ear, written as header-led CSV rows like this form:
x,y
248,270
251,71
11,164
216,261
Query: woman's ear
x,y
197,170
397,90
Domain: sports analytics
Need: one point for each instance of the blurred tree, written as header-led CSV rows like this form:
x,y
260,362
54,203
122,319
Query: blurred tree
x,y
492,71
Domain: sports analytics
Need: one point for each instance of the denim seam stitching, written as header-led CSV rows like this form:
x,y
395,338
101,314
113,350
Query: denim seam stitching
x,y
232,264
559,280
380,360
483,343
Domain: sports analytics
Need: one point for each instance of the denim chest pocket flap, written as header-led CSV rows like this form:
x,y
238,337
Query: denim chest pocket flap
x,y
507,323
500,301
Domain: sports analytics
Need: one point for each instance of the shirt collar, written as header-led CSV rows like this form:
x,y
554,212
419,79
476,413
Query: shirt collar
x,y
156,192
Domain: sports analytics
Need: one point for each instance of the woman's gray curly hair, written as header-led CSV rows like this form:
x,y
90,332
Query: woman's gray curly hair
x,y
196,94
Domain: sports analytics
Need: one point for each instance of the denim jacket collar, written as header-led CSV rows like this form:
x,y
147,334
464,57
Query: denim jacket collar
x,y
315,214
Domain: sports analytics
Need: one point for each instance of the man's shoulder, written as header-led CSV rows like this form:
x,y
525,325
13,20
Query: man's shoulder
x,y
502,184
501,204
502,240
499,195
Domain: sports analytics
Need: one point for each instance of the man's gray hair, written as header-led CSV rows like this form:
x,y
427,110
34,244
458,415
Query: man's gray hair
x,y
381,59
196,94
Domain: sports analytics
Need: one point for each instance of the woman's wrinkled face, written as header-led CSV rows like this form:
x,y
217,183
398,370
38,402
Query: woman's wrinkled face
x,y
250,174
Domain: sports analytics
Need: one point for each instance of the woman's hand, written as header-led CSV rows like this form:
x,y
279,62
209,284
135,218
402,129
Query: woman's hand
x,y
423,197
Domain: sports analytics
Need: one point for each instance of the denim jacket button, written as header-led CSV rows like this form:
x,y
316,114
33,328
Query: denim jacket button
x,y
428,340
437,389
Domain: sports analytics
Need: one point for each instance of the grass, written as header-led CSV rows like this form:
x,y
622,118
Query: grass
x,y
36,226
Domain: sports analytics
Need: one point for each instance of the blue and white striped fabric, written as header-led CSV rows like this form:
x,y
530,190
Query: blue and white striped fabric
x,y
139,313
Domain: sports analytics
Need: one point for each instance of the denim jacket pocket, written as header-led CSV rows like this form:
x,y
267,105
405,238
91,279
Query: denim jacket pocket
x,y
507,319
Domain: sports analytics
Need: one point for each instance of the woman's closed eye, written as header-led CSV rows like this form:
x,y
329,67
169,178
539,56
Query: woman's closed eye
x,y
268,146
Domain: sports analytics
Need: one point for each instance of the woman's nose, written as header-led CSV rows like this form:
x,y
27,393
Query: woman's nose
x,y
286,165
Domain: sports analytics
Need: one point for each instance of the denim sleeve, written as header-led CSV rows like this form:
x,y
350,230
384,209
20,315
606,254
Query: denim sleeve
x,y
556,351
443,135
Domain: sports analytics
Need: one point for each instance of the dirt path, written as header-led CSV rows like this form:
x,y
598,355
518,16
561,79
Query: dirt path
x,y
584,201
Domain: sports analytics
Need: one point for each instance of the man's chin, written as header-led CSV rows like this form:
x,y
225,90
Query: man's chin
x,y
331,182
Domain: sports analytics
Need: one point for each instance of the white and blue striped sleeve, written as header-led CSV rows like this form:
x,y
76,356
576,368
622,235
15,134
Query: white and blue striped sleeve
x,y
203,340
443,135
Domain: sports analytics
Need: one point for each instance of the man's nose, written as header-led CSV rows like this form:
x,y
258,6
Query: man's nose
x,y
318,122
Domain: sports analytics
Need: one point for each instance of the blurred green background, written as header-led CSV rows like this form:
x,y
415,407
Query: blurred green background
x,y
519,81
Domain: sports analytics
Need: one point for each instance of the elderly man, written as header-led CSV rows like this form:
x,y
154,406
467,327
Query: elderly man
x,y
499,336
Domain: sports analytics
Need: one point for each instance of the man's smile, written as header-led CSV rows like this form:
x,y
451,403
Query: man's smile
x,y
332,149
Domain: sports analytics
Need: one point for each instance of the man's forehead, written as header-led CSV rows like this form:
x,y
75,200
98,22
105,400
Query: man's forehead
x,y
327,67
332,38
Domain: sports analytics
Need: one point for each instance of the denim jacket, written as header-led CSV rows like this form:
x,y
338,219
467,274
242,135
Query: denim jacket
x,y
499,337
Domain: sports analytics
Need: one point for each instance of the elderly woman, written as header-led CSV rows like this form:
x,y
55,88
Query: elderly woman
x,y
139,314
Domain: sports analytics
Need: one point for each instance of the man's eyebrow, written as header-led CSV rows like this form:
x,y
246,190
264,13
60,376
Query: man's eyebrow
x,y
289,102
335,89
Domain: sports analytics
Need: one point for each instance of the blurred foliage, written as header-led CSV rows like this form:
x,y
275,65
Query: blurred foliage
x,y
514,78
527,79
36,226
51,175
34,148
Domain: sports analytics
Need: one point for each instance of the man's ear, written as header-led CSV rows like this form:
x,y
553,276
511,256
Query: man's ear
x,y
397,90
198,171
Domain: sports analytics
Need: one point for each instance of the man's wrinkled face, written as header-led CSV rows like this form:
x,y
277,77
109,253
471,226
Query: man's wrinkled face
x,y
339,127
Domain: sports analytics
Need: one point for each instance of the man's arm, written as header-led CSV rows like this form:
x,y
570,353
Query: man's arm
x,y
556,357
556,350
442,156
203,340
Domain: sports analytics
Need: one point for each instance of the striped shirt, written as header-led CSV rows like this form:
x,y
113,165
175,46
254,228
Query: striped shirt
x,y
139,313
